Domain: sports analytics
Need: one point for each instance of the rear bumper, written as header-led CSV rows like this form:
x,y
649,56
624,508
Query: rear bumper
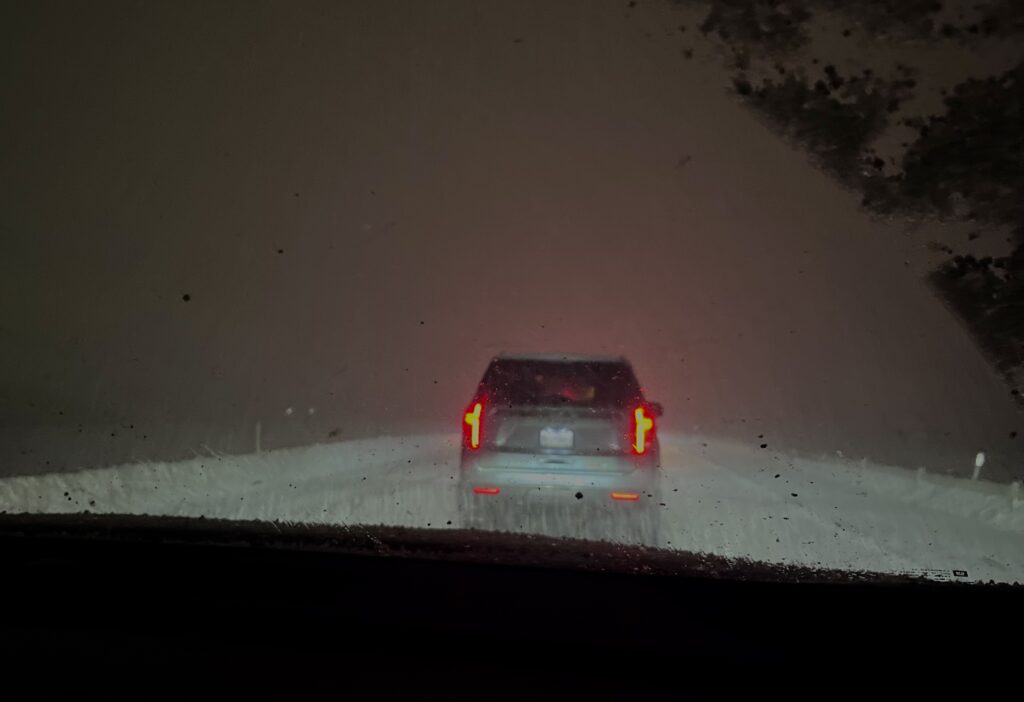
x,y
545,477
519,493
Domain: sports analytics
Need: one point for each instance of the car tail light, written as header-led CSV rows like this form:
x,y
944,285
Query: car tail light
x,y
471,425
486,490
625,495
643,430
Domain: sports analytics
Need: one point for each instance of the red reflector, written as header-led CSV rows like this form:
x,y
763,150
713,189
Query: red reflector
x,y
486,490
625,495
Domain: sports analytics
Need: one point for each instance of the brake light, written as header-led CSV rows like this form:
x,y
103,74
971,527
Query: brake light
x,y
471,425
642,428
625,495
486,490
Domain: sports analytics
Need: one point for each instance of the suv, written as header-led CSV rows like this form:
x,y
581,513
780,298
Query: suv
x,y
557,443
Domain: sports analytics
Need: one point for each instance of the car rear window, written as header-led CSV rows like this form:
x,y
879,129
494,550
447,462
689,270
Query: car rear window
x,y
578,383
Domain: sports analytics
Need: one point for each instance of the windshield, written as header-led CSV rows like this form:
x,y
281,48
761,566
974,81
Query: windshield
x,y
732,278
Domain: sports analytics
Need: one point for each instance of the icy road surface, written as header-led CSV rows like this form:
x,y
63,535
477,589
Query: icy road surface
x,y
719,497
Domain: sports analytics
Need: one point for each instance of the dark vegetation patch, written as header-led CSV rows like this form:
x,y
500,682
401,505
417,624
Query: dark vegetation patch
x,y
767,25
779,25
832,116
969,163
906,19
970,160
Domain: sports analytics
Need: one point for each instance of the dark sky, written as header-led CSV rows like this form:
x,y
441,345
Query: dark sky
x,y
365,201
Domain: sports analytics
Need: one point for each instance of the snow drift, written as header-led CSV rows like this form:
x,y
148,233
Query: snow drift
x,y
718,497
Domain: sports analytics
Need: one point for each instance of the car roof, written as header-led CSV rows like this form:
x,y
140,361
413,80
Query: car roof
x,y
560,357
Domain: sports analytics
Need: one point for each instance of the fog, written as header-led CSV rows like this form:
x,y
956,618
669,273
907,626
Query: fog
x,y
363,202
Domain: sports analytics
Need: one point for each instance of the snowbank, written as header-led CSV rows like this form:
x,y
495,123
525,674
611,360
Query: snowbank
x,y
718,497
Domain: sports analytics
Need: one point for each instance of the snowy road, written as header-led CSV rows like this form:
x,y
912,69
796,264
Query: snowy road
x,y
719,497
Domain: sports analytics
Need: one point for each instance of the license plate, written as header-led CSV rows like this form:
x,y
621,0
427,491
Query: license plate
x,y
551,437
